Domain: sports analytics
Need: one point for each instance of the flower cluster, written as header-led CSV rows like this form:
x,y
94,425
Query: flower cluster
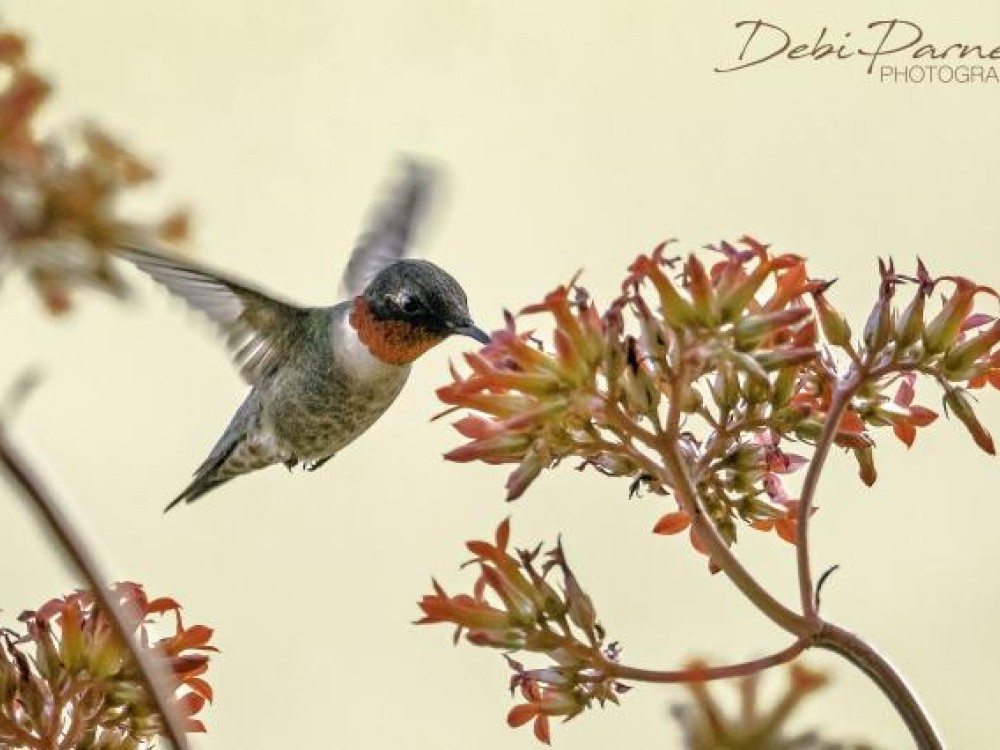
x,y
68,682
515,606
706,725
58,219
713,370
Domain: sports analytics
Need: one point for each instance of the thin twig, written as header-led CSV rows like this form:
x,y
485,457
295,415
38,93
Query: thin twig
x,y
842,396
822,580
154,678
704,674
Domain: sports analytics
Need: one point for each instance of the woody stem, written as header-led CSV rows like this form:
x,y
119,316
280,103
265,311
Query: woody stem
x,y
34,491
893,685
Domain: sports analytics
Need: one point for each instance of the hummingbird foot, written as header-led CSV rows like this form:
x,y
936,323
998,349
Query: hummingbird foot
x,y
313,465
290,463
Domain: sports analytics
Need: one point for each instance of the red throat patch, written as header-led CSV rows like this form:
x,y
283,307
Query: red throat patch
x,y
395,342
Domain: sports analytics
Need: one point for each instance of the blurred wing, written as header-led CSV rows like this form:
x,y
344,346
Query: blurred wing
x,y
259,330
390,232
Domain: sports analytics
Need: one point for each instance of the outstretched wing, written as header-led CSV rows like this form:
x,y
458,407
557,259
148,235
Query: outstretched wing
x,y
259,329
391,229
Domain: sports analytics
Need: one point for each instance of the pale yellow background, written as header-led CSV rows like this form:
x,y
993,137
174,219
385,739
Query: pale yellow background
x,y
574,134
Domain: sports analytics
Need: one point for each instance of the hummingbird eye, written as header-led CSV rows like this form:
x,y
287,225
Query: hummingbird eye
x,y
409,305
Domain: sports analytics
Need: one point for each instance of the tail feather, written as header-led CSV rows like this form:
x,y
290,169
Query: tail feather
x,y
209,475
205,479
200,486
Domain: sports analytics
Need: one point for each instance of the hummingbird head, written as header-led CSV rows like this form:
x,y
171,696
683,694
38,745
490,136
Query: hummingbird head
x,y
410,306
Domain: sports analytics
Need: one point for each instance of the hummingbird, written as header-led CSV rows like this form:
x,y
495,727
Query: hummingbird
x,y
321,376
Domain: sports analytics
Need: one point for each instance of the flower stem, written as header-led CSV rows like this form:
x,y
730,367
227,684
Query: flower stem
x,y
842,396
154,678
704,674
878,668
808,626
708,534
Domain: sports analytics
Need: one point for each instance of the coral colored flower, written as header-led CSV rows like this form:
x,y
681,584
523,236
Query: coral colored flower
x,y
747,353
516,605
80,664
907,418
59,218
672,523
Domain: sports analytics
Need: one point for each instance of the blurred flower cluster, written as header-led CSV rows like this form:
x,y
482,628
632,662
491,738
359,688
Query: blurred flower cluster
x,y
724,369
517,607
706,725
58,217
68,682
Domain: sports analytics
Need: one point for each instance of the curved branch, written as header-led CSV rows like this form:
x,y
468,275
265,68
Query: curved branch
x,y
704,674
25,479
841,399
881,671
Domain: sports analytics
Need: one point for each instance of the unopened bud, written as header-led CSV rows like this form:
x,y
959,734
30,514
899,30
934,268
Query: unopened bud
x,y
959,404
733,303
781,358
742,456
942,331
866,465
754,371
753,329
784,387
834,324
725,387
809,429
703,297
879,324
960,358
911,322
677,311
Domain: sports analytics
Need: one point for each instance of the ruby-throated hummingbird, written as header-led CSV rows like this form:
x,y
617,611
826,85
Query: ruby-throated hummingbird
x,y
321,376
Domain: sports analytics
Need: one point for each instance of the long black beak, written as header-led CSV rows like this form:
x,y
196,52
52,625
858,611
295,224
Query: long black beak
x,y
473,332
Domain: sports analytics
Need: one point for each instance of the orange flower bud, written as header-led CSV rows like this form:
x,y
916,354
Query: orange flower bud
x,y
672,523
677,311
960,359
703,297
942,331
733,303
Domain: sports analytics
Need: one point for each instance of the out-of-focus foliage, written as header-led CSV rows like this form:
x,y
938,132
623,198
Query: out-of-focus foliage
x,y
58,194
707,725
69,682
